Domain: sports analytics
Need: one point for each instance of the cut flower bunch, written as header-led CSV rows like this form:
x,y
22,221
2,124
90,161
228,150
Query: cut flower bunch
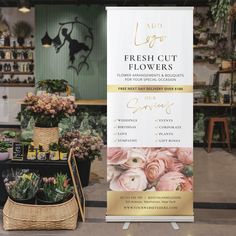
x,y
48,109
85,145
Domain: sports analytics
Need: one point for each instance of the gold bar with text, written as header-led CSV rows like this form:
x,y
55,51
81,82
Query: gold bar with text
x,y
150,88
150,203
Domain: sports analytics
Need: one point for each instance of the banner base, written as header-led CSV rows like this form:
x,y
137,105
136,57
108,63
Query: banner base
x,y
149,218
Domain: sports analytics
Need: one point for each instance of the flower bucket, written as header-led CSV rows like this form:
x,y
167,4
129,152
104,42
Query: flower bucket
x,y
45,136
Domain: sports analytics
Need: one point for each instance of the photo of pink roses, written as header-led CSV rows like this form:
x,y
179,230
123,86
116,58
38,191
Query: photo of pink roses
x,y
150,169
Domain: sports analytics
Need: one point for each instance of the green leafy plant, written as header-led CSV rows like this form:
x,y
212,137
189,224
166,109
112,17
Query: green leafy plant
x,y
22,29
53,86
220,11
55,189
53,147
207,92
4,146
22,185
9,134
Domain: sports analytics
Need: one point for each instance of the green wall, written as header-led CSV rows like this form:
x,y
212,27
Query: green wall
x,y
90,84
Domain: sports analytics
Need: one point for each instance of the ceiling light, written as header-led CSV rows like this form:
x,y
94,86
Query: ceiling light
x,y
24,6
46,40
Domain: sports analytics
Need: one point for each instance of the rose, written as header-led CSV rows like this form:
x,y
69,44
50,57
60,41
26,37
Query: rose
x,y
116,156
173,181
185,155
130,180
154,169
136,158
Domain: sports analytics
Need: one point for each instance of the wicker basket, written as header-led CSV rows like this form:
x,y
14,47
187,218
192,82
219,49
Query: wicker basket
x,y
45,136
17,216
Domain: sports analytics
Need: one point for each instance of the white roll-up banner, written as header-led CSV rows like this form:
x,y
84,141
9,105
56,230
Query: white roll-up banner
x,y
150,114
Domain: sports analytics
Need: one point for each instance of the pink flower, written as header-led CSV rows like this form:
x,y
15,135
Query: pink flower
x,y
185,155
173,181
155,169
130,180
116,156
112,172
136,158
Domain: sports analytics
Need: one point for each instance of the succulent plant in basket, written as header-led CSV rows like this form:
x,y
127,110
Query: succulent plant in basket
x,y
22,185
54,189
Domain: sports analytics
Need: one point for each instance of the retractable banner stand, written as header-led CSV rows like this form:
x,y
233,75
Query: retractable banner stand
x,y
150,114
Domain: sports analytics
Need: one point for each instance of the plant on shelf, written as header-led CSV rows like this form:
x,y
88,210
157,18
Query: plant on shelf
x,y
53,86
63,151
21,185
208,94
53,151
54,189
85,145
47,111
4,154
220,12
22,30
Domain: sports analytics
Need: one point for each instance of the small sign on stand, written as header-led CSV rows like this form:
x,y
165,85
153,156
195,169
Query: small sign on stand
x,y
18,151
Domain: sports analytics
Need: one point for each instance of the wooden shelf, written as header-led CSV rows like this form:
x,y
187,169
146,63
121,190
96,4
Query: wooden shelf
x,y
92,102
211,105
16,73
202,46
16,85
16,60
17,47
226,71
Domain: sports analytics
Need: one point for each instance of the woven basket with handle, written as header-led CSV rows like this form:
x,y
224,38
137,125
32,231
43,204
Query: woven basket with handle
x,y
45,136
17,216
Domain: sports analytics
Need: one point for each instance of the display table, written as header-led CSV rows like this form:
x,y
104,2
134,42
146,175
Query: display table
x,y
45,168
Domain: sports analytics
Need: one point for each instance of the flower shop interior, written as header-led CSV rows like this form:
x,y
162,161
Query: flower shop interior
x,y
53,100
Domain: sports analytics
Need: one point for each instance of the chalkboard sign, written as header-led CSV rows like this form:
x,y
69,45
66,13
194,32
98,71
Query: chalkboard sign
x,y
18,151
77,184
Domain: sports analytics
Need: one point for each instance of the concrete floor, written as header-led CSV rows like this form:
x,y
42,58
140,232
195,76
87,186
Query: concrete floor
x,y
214,182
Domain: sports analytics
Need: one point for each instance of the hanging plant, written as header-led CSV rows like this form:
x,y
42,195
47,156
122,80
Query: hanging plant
x,y
220,11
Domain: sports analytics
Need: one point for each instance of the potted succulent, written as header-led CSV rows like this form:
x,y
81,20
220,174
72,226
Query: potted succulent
x,y
86,147
22,30
4,154
207,93
53,151
54,190
63,151
22,185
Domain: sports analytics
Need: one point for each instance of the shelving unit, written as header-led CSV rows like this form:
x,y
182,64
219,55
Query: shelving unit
x,y
16,85
21,73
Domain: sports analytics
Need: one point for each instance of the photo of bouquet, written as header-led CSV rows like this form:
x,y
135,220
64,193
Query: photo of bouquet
x,y
150,169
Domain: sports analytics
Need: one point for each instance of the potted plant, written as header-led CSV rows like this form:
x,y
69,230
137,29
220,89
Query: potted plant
x,y
207,93
63,151
53,86
21,185
4,154
47,111
86,147
22,30
53,151
54,190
